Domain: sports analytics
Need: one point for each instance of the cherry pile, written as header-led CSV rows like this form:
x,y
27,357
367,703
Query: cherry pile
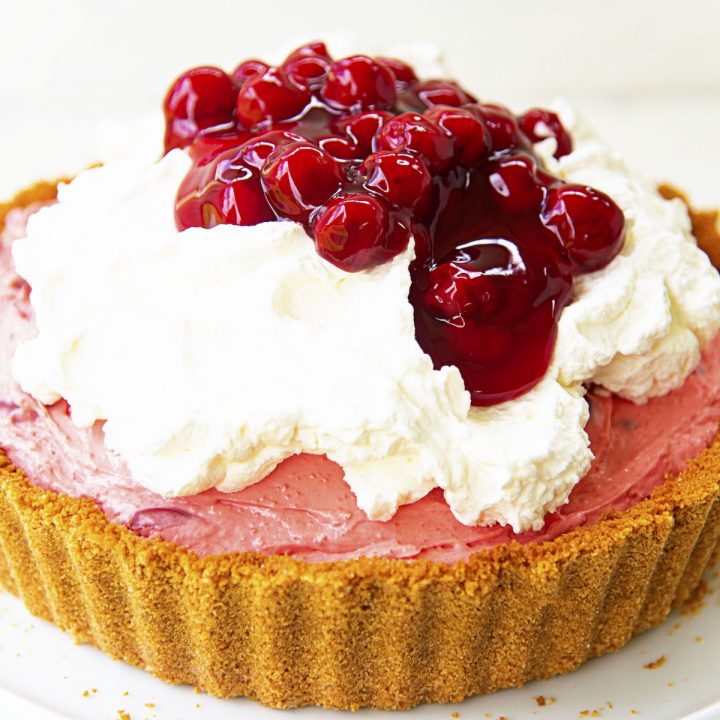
x,y
365,155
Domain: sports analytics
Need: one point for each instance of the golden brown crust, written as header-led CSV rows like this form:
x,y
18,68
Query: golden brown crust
x,y
40,192
366,632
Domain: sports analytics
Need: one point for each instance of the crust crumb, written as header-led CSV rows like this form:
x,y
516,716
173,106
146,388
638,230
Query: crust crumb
x,y
655,664
122,715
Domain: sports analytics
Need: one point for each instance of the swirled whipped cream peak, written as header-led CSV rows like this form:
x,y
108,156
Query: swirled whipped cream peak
x,y
320,265
637,326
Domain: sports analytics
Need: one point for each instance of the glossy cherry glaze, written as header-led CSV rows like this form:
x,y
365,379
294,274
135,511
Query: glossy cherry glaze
x,y
367,156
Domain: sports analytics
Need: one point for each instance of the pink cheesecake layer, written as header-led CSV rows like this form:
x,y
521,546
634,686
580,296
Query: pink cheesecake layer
x,y
304,508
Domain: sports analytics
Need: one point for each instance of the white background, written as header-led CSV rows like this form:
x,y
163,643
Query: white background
x,y
646,73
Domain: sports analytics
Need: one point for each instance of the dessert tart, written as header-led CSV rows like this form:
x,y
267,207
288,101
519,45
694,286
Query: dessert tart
x,y
412,399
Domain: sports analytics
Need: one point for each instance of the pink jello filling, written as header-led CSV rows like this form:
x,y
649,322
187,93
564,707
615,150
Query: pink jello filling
x,y
304,508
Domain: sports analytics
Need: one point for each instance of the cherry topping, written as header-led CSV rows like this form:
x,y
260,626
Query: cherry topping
x,y
307,73
539,124
490,308
411,131
403,73
340,148
269,98
248,69
362,128
471,137
358,83
400,177
514,185
258,149
308,66
198,99
299,178
502,125
211,142
358,231
588,223
310,50
224,191
441,92
366,156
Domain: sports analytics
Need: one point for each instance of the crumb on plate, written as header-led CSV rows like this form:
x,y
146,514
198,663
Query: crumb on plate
x,y
655,664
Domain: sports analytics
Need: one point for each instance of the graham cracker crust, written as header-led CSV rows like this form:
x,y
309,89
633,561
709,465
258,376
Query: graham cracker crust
x,y
371,632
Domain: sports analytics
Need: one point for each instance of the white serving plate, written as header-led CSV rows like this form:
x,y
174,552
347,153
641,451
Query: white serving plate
x,y
45,676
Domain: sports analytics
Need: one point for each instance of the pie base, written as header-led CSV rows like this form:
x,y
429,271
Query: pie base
x,y
371,632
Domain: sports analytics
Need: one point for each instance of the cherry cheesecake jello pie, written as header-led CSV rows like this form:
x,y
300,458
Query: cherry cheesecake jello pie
x,y
366,393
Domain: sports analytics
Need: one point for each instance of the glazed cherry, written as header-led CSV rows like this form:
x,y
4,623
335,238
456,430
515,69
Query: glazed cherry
x,y
213,141
269,98
471,138
258,149
310,50
362,128
200,98
358,231
358,83
453,291
411,131
248,69
490,308
403,73
441,92
514,185
539,124
308,66
588,223
299,178
307,73
400,177
224,191
339,147
502,126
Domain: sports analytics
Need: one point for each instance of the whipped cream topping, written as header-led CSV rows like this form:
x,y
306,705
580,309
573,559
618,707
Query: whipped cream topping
x,y
637,326
304,507
212,355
